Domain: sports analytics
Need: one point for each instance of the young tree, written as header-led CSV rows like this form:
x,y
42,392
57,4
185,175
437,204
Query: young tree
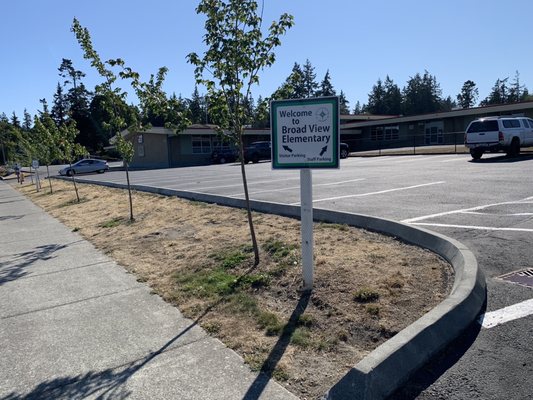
x,y
116,123
46,139
236,52
69,150
469,94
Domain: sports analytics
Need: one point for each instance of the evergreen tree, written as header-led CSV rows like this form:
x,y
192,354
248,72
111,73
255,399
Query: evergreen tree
x,y
262,114
326,88
60,108
344,108
393,98
309,80
27,122
376,99
196,109
447,104
421,95
15,120
357,109
44,103
468,96
517,91
499,93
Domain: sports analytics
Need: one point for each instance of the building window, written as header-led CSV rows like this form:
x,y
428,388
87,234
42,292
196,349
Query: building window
x,y
140,149
385,133
201,144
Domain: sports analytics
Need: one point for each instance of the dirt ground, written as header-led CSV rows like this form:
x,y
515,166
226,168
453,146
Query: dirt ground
x,y
198,257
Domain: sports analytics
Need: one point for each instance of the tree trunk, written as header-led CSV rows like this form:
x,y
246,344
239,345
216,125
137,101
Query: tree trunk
x,y
129,191
49,180
74,182
247,200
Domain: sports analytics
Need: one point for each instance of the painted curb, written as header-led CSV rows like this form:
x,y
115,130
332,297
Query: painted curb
x,y
389,366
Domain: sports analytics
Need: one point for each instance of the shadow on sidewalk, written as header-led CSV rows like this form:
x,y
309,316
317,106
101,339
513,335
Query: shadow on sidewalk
x,y
16,267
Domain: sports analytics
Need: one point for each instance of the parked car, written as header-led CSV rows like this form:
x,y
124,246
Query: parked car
x,y
85,166
257,151
345,150
498,133
224,155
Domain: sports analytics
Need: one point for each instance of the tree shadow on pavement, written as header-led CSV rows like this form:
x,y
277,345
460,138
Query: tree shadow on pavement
x,y
434,369
107,384
16,267
258,386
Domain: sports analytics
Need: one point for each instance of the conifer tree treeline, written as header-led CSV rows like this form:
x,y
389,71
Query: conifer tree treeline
x,y
89,108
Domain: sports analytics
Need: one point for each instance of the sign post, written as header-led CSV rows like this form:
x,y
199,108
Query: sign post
x,y
305,136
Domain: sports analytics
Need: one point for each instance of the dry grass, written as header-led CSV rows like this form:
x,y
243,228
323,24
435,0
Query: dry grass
x,y
197,256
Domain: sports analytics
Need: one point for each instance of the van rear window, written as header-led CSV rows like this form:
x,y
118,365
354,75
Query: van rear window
x,y
483,126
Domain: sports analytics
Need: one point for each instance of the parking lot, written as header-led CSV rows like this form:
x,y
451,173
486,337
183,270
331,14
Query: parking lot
x,y
487,205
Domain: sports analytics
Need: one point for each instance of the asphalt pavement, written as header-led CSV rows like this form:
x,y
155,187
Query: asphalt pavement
x,y
74,324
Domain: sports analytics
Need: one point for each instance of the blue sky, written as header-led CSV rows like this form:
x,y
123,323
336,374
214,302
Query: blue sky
x,y
358,41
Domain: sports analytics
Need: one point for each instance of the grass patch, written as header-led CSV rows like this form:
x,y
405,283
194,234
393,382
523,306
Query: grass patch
x,y
301,337
73,202
373,309
366,295
112,223
277,249
339,227
270,322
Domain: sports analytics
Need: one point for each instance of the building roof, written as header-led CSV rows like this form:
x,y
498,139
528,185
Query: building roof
x,y
501,108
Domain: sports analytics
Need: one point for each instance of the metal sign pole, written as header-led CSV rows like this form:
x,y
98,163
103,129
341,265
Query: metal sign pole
x,y
306,195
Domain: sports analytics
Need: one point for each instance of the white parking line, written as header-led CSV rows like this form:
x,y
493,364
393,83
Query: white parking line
x,y
373,193
411,220
473,227
297,187
516,311
194,189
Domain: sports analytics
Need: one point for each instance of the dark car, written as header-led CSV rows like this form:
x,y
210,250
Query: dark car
x,y
345,150
257,151
85,166
224,155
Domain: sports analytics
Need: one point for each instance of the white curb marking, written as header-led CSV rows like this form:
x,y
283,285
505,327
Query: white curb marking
x,y
479,228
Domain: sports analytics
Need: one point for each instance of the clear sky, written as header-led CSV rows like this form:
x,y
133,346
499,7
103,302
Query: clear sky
x,y
358,41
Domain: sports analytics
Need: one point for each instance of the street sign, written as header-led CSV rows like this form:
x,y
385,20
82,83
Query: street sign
x,y
305,136
35,164
305,133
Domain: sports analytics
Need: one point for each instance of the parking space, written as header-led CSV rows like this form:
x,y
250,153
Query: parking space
x,y
487,205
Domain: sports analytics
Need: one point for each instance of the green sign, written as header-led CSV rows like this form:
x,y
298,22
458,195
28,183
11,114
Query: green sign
x,y
305,133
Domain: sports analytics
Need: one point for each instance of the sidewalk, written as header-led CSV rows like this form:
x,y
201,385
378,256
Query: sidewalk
x,y
75,325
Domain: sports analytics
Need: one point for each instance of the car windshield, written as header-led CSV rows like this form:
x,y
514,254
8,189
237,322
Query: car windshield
x,y
483,126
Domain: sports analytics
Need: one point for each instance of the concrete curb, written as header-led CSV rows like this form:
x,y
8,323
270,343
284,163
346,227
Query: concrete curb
x,y
390,365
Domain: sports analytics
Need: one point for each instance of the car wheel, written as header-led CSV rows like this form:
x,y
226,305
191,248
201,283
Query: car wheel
x,y
476,154
255,159
222,160
514,150
344,153
101,171
70,172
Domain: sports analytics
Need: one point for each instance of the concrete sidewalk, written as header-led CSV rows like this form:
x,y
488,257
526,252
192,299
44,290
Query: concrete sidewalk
x,y
75,325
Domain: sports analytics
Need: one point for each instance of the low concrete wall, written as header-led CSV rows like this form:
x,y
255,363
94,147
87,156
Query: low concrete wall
x,y
390,365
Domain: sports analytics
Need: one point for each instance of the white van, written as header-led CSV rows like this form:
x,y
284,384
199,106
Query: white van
x,y
498,133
